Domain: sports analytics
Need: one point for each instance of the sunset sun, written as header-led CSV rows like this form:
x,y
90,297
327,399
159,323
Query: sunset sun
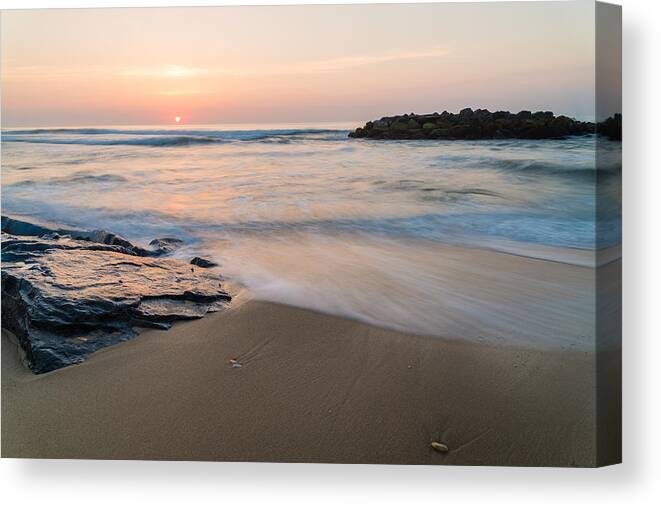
x,y
177,119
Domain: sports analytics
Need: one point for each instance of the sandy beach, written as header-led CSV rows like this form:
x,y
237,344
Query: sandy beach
x,y
310,388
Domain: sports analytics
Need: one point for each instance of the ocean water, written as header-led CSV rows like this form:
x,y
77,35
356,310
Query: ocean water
x,y
415,235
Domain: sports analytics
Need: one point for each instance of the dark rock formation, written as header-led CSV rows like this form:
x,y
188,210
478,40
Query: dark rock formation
x,y
66,294
203,263
478,124
21,228
611,127
165,245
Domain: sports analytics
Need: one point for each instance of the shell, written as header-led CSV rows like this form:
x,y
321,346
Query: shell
x,y
438,446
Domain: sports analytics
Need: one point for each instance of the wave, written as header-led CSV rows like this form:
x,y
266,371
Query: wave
x,y
164,137
534,167
76,178
569,230
589,170
94,131
471,191
240,135
140,141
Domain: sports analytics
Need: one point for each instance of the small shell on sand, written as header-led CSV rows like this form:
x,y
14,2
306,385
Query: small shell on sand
x,y
438,446
235,363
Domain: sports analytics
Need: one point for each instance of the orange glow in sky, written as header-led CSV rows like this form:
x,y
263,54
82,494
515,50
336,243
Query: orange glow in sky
x,y
293,63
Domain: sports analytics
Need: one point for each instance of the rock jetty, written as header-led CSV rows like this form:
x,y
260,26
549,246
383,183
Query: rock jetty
x,y
611,128
68,293
474,124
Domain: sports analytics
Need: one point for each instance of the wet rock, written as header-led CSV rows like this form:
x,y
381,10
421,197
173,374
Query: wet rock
x,y
542,115
478,124
202,263
466,113
161,246
21,228
481,113
611,127
381,124
65,297
399,126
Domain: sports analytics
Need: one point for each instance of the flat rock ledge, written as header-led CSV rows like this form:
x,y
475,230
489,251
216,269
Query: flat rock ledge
x,y
483,124
68,293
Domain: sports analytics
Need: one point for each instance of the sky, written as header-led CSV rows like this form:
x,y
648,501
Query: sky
x,y
64,67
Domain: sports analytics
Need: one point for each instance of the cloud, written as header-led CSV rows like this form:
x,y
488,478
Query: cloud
x,y
49,71
167,70
338,64
175,71
174,93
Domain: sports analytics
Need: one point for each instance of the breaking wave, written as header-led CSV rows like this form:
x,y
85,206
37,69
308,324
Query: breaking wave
x,y
139,141
161,137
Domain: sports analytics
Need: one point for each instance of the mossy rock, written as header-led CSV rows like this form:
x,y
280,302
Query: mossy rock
x,y
400,126
381,124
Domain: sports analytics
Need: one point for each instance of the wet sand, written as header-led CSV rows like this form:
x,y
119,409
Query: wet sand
x,y
311,388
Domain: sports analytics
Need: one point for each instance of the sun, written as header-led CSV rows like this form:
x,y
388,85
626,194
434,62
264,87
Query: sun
x,y
177,119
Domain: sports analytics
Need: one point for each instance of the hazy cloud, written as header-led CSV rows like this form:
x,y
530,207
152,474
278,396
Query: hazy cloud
x,y
310,67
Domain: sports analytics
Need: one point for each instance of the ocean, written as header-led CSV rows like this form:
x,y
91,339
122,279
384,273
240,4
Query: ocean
x,y
414,235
